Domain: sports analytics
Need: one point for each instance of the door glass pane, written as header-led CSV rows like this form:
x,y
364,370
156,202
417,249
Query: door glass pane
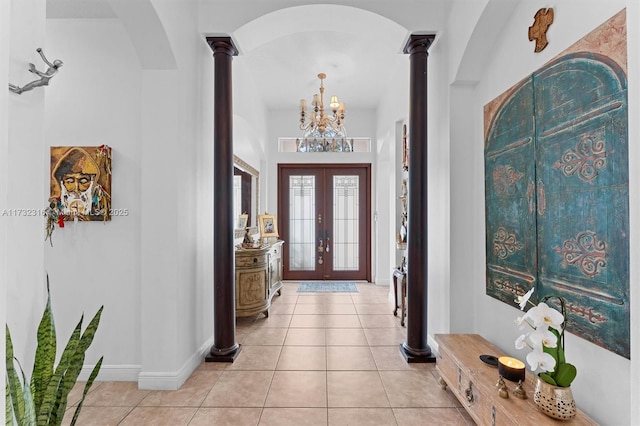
x,y
237,197
302,207
345,223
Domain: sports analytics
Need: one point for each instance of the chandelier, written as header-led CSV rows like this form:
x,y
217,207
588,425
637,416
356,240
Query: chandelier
x,y
320,124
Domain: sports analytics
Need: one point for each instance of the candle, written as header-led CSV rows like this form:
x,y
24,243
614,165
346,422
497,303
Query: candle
x,y
511,368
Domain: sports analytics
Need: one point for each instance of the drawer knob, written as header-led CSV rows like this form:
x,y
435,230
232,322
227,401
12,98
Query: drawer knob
x,y
469,393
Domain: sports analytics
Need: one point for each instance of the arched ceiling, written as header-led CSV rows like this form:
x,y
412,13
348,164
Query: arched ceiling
x,y
355,48
283,44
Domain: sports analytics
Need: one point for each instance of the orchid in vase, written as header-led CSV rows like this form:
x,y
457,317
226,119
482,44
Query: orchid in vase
x,y
546,340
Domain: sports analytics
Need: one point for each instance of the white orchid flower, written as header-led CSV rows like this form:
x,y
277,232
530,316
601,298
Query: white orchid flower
x,y
521,341
539,359
543,337
522,300
545,316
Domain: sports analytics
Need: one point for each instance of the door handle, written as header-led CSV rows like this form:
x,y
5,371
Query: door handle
x,y
326,239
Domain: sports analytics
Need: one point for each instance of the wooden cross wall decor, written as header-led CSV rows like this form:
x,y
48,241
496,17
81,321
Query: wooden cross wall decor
x,y
538,31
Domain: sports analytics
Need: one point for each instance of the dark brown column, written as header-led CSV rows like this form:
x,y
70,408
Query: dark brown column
x,y
416,349
225,348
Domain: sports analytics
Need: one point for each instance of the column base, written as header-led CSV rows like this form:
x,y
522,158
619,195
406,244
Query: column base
x,y
410,357
227,356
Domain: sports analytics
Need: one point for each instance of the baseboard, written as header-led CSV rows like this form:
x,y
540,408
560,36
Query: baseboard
x,y
174,380
149,380
112,373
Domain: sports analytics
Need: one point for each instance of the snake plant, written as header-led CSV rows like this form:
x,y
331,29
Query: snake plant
x,y
43,401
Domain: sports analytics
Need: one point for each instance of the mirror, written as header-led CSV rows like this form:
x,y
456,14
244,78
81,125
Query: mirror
x,y
246,189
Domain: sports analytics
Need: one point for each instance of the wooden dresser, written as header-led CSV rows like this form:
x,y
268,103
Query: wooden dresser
x,y
258,278
474,384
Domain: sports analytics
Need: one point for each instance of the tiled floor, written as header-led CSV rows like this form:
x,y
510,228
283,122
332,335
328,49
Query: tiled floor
x,y
318,359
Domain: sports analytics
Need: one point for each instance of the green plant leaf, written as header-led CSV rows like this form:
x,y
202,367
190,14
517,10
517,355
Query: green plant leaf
x,y
13,381
29,408
50,402
76,363
547,378
8,419
87,386
565,375
45,354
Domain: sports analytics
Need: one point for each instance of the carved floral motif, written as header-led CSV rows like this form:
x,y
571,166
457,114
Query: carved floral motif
x,y
586,251
588,156
505,243
504,178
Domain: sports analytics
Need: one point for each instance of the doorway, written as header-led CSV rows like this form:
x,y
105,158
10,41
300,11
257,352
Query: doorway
x,y
325,221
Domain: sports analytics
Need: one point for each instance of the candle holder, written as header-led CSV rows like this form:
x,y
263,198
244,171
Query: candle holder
x,y
511,369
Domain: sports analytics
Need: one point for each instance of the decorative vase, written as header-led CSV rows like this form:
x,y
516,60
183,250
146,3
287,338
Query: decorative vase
x,y
554,401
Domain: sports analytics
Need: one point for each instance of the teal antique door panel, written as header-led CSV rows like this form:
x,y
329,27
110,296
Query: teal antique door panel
x,y
582,187
509,188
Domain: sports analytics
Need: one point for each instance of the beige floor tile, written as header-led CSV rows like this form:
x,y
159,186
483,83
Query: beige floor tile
x,y
311,298
293,417
343,321
361,417
308,321
415,389
346,337
239,389
75,395
355,389
338,298
309,309
244,323
379,321
350,358
385,336
226,417
191,394
361,298
298,389
303,358
305,337
97,416
213,366
256,358
282,309
436,416
288,295
390,358
159,416
373,308
272,321
265,336
115,394
340,309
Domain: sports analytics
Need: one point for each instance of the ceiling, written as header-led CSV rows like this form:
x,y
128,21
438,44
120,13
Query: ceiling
x,y
284,50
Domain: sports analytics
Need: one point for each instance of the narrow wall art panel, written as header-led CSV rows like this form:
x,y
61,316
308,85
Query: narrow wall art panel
x,y
557,187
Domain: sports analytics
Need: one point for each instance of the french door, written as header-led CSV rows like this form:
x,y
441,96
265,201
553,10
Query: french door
x,y
324,213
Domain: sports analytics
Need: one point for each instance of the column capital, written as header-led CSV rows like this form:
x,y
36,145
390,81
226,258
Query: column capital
x,y
222,45
418,43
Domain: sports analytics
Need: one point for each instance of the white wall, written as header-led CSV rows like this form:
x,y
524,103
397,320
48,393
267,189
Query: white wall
x,y
95,100
4,161
23,177
511,59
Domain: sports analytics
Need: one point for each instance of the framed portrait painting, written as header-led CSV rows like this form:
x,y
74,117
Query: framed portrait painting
x,y
242,221
268,225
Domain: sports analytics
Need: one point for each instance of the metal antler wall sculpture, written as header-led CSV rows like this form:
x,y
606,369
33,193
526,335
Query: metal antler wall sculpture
x,y
45,77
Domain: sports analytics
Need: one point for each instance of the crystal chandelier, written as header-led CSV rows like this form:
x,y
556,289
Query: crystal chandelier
x,y
321,125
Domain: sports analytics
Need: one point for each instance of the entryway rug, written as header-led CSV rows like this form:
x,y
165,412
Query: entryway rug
x,y
327,287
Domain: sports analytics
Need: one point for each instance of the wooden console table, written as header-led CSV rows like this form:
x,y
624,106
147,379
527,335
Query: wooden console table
x,y
402,275
258,278
474,384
